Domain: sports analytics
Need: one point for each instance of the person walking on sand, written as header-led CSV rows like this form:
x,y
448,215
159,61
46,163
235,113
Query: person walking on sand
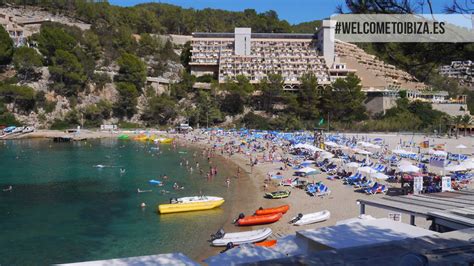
x,y
238,172
227,181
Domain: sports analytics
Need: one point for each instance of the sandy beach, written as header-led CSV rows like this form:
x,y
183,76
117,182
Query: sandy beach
x,y
342,202
249,187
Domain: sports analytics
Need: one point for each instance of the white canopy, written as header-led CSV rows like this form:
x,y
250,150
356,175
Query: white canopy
x,y
455,168
468,164
352,165
460,146
306,170
326,155
369,145
363,152
331,144
404,162
408,168
308,147
404,152
380,176
367,170
438,153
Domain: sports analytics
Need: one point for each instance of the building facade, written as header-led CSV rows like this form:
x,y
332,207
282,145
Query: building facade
x,y
460,70
16,31
256,55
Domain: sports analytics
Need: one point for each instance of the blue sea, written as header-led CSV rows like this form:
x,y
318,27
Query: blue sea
x,y
63,208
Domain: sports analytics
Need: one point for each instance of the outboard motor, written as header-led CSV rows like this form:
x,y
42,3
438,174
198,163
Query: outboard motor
x,y
241,216
173,200
219,234
297,218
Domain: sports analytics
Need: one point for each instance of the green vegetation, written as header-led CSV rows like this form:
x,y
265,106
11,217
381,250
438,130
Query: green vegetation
x,y
128,40
6,47
126,106
132,70
22,96
26,61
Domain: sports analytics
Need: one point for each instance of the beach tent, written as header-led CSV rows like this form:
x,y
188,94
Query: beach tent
x,y
408,168
455,168
246,253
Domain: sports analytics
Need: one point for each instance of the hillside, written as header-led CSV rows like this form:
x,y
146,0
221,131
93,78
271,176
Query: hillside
x,y
110,72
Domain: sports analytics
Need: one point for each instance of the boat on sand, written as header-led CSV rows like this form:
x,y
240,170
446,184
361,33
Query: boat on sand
x,y
311,218
281,209
266,243
222,238
258,219
277,194
185,204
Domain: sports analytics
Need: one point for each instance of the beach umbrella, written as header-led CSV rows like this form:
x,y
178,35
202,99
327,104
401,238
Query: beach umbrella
x,y
352,165
307,170
367,170
363,152
455,168
380,176
326,155
468,164
460,146
408,168
404,162
331,144
336,160
399,151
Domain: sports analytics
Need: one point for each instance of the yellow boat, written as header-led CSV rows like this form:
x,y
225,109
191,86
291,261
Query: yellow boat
x,y
164,140
186,204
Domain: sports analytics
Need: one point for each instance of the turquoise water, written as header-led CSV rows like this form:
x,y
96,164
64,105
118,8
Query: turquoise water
x,y
63,209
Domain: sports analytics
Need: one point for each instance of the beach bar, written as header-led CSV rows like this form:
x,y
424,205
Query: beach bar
x,y
448,211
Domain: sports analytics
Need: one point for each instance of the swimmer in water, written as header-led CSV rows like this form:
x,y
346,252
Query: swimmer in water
x,y
10,188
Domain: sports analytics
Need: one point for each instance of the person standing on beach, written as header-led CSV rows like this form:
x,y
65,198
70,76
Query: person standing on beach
x,y
227,181
238,172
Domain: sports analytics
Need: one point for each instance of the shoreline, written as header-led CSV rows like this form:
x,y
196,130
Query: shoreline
x,y
247,191
243,194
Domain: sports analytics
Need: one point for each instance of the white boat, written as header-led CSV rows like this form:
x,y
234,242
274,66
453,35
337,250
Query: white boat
x,y
18,130
222,238
28,130
311,218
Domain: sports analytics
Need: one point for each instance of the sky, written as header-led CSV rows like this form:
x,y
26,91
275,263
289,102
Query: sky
x,y
294,11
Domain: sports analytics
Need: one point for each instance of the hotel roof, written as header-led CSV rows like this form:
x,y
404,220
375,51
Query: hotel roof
x,y
255,35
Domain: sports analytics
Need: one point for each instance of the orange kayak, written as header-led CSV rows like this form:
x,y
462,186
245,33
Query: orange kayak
x,y
268,243
260,219
281,209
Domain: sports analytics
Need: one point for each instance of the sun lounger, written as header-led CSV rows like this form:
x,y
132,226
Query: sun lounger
x,y
323,190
